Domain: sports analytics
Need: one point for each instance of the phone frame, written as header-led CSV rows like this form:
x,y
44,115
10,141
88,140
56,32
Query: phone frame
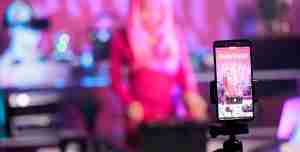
x,y
234,43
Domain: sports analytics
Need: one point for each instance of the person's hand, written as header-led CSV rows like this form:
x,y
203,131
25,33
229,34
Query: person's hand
x,y
197,107
135,112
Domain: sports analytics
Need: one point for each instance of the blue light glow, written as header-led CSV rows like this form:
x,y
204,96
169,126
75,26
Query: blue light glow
x,y
103,35
2,115
19,12
60,83
87,60
91,81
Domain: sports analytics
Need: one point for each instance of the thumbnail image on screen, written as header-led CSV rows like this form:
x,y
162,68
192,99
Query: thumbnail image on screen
x,y
234,82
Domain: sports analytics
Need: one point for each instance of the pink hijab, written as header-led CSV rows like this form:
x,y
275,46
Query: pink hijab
x,y
159,48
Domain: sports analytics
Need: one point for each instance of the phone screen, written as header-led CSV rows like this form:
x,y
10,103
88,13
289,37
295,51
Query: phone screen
x,y
234,82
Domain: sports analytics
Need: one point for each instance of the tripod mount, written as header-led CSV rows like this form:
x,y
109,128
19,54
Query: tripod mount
x,y
231,128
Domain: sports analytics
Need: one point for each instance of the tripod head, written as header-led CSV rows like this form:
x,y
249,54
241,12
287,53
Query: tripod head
x,y
230,128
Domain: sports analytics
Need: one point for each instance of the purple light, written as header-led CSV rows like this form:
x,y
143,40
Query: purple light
x,y
289,121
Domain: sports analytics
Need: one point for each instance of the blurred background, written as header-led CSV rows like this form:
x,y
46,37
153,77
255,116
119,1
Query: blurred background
x,y
54,67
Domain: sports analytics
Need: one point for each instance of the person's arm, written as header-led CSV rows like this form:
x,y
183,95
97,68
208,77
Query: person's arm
x,y
118,49
118,56
187,79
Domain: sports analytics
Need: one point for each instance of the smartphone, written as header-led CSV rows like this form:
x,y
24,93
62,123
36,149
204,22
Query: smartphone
x,y
233,74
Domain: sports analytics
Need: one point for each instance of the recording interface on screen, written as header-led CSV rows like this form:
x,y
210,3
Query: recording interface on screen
x,y
234,79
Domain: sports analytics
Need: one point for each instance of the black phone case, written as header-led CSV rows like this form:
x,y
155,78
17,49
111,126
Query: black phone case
x,y
214,93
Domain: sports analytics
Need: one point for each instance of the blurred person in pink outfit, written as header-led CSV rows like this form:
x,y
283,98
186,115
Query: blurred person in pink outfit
x,y
148,61
228,86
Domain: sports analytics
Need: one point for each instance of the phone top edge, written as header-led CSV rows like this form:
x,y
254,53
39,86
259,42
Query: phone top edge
x,y
228,43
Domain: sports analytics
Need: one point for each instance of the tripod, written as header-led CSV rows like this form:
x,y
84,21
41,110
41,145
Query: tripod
x,y
232,129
